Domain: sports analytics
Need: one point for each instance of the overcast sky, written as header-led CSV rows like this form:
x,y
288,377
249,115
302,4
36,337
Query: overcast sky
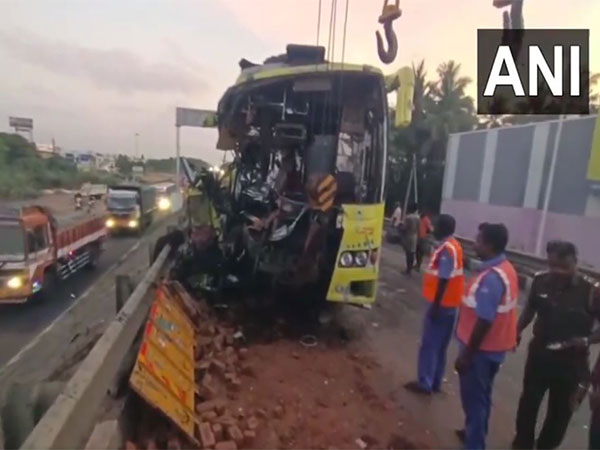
x,y
92,73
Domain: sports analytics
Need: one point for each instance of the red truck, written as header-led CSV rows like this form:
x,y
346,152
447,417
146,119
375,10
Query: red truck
x,y
38,249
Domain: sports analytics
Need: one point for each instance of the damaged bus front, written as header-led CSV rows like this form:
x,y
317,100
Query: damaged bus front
x,y
302,204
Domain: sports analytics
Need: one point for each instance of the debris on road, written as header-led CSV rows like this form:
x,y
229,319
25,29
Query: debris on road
x,y
271,393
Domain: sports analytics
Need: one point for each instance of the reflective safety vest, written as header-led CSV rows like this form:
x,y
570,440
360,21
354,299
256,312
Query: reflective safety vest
x,y
456,283
502,336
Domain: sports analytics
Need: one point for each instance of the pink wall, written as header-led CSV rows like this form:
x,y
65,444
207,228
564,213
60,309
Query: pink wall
x,y
523,225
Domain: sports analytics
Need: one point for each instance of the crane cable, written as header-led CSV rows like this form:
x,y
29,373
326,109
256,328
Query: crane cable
x,y
331,14
319,23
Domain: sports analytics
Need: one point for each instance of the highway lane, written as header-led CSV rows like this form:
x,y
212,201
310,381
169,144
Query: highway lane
x,y
19,324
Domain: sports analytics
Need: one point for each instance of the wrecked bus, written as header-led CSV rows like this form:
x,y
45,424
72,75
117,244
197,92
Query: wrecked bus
x,y
301,207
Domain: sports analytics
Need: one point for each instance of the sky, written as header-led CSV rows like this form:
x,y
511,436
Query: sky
x,y
93,73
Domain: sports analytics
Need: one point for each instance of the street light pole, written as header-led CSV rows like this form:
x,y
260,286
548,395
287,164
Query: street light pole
x,y
137,135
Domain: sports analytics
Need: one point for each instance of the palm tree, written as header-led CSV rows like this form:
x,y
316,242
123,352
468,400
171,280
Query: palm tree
x,y
450,109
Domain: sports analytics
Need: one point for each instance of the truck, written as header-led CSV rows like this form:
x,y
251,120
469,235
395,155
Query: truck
x,y
39,249
96,191
130,207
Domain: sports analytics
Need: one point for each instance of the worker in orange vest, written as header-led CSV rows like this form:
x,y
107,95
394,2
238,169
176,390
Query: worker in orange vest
x,y
443,287
486,330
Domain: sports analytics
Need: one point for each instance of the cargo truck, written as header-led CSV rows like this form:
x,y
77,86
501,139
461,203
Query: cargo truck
x,y
130,207
39,249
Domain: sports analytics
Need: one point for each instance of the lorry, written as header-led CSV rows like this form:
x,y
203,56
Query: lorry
x,y
96,191
38,249
130,206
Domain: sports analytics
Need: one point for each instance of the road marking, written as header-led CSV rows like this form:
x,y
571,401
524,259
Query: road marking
x,y
39,336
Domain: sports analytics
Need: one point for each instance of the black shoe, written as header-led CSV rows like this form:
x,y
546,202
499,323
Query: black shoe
x,y
461,435
415,387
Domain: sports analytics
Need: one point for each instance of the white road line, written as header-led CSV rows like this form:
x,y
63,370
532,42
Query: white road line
x,y
37,338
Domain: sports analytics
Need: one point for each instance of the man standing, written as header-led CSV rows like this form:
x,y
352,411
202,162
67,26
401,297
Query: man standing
x,y
411,235
565,305
486,330
443,287
425,229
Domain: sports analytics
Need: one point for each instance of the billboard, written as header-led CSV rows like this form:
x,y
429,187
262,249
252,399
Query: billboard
x,y
186,117
20,123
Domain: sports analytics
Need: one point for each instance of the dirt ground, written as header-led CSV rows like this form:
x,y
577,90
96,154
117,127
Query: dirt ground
x,y
290,383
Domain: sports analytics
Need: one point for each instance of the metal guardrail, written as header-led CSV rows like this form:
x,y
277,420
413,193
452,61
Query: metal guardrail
x,y
526,263
71,417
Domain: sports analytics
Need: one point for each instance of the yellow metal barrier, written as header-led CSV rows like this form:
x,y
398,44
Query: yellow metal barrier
x,y
164,371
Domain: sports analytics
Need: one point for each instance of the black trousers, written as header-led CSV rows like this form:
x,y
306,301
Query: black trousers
x,y
410,261
559,375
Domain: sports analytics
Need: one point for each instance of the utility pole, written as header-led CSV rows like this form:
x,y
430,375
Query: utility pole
x,y
137,135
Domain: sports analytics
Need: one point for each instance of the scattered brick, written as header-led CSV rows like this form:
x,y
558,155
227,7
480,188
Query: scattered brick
x,y
208,415
226,445
215,404
229,350
206,435
226,420
219,364
217,429
278,411
235,434
208,386
252,423
243,352
261,413
130,445
361,444
202,365
151,444
218,342
249,436
229,340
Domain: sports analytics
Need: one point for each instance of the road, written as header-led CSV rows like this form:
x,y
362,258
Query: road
x,y
394,327
19,324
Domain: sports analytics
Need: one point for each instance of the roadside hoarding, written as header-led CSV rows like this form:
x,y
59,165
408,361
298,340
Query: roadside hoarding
x,y
187,117
20,123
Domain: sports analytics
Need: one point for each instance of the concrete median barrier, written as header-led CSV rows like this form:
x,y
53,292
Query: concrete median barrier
x,y
71,418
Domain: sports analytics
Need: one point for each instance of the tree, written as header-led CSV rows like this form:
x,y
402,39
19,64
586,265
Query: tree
x,y
123,164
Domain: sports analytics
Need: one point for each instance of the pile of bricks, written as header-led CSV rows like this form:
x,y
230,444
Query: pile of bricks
x,y
220,363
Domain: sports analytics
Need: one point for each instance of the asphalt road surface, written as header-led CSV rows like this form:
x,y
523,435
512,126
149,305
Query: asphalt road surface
x,y
19,324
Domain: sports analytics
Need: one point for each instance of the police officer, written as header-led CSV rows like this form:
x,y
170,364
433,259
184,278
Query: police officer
x,y
486,330
564,305
443,286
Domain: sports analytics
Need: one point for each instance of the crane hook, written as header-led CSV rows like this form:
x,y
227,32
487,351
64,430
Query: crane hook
x,y
512,21
389,13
